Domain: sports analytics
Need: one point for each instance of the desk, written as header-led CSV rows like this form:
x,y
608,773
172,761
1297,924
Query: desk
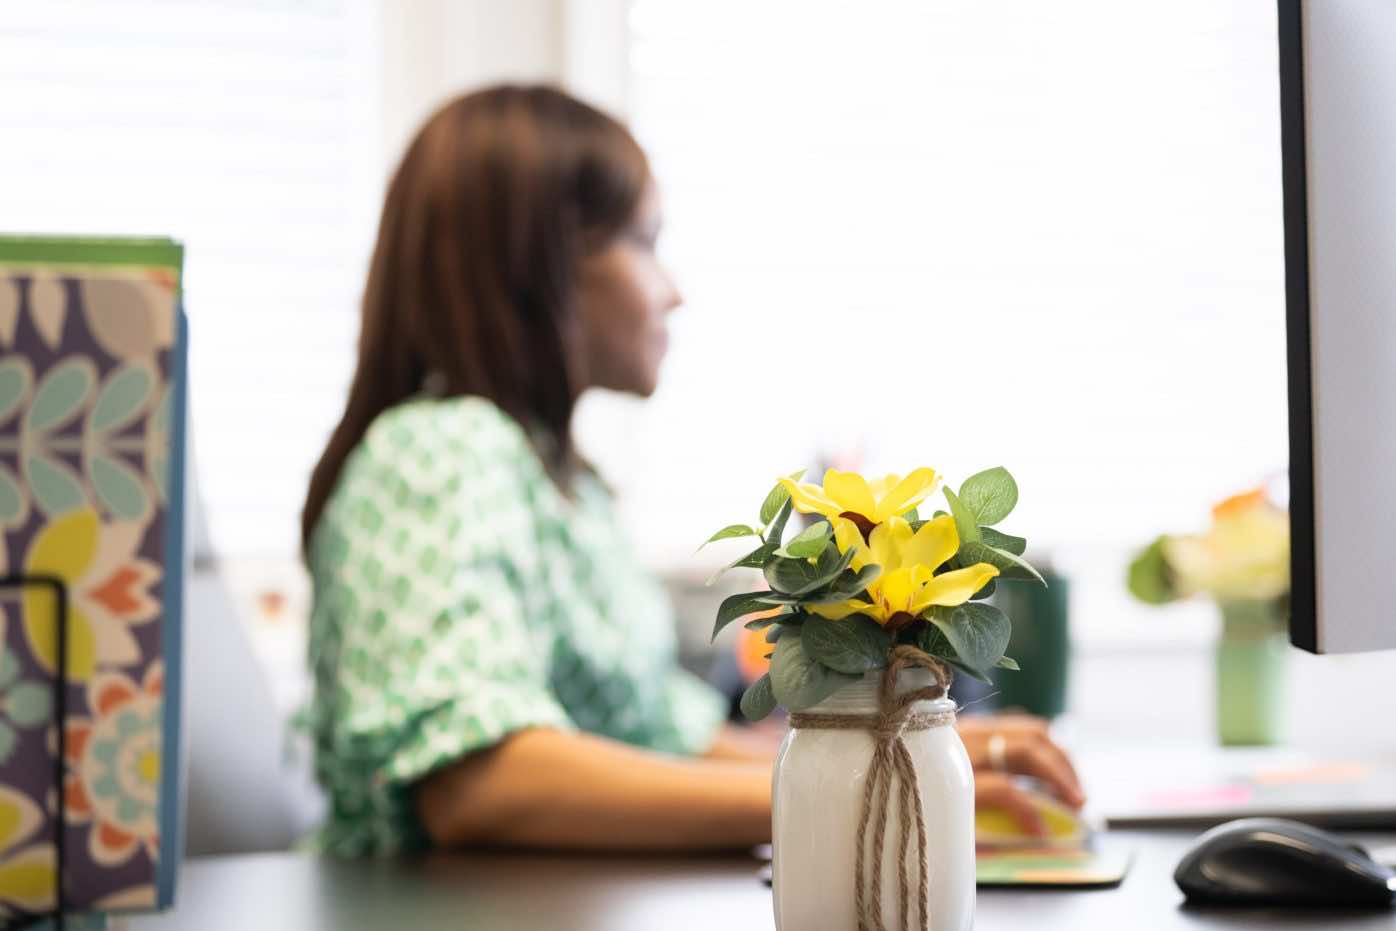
x,y
510,892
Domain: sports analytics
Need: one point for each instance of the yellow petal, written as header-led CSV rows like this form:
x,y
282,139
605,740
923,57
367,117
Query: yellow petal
x,y
880,486
886,542
846,536
955,587
907,493
810,499
933,544
19,817
839,610
65,548
28,878
897,589
850,492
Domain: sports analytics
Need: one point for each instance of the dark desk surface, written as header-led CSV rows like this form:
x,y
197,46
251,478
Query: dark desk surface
x,y
531,893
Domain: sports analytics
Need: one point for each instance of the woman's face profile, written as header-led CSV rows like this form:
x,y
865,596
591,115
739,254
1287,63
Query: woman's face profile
x,y
624,297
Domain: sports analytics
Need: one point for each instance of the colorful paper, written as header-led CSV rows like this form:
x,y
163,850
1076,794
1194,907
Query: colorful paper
x,y
91,491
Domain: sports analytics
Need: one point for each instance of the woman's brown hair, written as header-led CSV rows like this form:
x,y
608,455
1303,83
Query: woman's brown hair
x,y
472,278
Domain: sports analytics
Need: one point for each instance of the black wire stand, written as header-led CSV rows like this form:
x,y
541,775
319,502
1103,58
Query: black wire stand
x,y
59,588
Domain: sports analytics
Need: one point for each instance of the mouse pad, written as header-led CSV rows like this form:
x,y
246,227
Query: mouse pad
x,y
1102,866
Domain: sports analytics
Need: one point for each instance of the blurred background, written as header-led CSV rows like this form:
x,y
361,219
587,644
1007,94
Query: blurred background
x,y
1046,236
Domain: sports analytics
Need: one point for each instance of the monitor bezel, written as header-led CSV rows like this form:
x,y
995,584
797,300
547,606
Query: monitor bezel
x,y
1303,619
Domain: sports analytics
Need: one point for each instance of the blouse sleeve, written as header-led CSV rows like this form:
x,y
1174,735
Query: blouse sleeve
x,y
688,715
437,657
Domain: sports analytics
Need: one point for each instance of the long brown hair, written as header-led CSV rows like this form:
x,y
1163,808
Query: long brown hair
x,y
472,279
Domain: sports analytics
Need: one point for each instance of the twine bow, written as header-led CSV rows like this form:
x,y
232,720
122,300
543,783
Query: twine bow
x,y
891,758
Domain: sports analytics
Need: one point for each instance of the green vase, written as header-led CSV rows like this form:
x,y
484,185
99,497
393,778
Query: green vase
x,y
1040,643
1251,658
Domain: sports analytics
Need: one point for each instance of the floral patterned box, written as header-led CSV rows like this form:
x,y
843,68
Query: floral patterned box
x,y
91,491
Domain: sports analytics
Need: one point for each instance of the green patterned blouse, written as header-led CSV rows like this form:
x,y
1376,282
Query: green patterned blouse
x,y
459,597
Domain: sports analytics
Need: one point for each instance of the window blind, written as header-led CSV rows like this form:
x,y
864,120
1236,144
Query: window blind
x,y
249,130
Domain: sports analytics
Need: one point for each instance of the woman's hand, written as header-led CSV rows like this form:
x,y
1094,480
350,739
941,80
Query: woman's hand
x,y
1002,745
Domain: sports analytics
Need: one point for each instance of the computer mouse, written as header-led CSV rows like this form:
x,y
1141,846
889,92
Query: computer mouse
x,y
1270,861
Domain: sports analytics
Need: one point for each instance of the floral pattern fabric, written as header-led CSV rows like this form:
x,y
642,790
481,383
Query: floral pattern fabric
x,y
87,399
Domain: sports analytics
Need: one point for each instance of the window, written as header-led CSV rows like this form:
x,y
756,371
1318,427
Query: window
x,y
961,234
248,130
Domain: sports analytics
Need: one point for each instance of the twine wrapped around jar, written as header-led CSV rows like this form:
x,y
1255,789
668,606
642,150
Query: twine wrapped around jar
x,y
891,759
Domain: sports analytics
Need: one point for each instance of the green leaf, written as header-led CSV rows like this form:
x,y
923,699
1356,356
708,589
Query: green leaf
x,y
729,532
966,522
853,645
16,378
776,497
1020,568
1008,662
810,541
122,398
979,633
912,516
118,487
758,623
776,531
56,488
758,700
848,585
930,640
1150,578
990,495
987,591
797,680
775,632
753,560
757,557
1009,565
61,394
14,503
1004,541
800,576
736,606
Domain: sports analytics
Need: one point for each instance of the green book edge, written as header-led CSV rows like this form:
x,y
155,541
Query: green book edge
x,y
96,252
91,250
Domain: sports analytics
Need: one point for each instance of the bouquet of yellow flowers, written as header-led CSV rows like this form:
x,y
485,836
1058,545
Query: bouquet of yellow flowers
x,y
1243,557
870,574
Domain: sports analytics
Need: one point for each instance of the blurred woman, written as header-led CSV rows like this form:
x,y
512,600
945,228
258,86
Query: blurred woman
x,y
492,664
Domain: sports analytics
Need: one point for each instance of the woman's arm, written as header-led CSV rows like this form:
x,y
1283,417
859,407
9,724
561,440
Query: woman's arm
x,y
547,788
747,743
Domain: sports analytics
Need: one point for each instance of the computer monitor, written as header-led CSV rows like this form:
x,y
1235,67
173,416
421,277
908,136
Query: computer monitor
x,y
1338,139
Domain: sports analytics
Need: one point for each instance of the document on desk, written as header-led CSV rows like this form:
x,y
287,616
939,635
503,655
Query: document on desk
x,y
1203,787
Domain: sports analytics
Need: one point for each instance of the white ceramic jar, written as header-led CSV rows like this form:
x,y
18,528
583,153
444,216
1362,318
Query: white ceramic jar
x,y
818,796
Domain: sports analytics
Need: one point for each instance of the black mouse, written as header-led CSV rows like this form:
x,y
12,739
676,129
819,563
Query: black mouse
x,y
1269,861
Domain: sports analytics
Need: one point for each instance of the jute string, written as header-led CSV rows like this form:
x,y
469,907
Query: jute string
x,y
891,762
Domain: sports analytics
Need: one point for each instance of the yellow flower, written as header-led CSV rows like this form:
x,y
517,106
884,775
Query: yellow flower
x,y
1245,555
907,585
849,495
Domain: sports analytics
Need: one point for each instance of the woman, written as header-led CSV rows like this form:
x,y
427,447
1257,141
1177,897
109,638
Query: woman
x,y
491,664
